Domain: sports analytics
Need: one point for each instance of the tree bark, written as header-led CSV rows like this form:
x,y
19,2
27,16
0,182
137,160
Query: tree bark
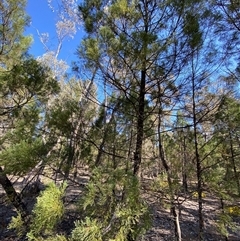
x,y
140,122
198,165
177,229
13,196
184,171
233,163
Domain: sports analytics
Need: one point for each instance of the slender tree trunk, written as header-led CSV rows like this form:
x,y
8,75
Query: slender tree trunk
x,y
137,158
198,165
233,163
142,92
105,135
173,210
177,229
13,196
176,223
140,121
184,172
200,190
222,207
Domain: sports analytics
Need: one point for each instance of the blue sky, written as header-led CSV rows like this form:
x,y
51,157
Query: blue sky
x,y
44,20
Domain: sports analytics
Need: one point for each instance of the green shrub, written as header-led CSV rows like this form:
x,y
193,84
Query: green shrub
x,y
51,238
224,224
114,207
87,230
17,224
47,212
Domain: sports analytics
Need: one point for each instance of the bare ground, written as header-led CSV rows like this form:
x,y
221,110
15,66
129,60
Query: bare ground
x,y
162,223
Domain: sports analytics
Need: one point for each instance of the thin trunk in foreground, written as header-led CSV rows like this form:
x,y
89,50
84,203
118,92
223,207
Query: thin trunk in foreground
x,y
173,208
12,195
198,165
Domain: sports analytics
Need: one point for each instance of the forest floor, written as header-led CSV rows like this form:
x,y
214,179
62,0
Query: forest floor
x,y
162,223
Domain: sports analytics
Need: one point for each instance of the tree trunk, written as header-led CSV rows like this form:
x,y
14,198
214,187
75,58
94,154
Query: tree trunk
x,y
176,223
140,122
13,196
222,207
198,166
184,172
177,229
233,163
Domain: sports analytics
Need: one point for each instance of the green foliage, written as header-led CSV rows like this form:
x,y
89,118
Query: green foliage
x,y
21,157
124,8
90,15
161,183
225,223
60,117
47,212
87,230
69,120
92,49
192,30
26,79
55,238
214,176
133,219
51,238
24,91
113,200
17,224
12,23
106,33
